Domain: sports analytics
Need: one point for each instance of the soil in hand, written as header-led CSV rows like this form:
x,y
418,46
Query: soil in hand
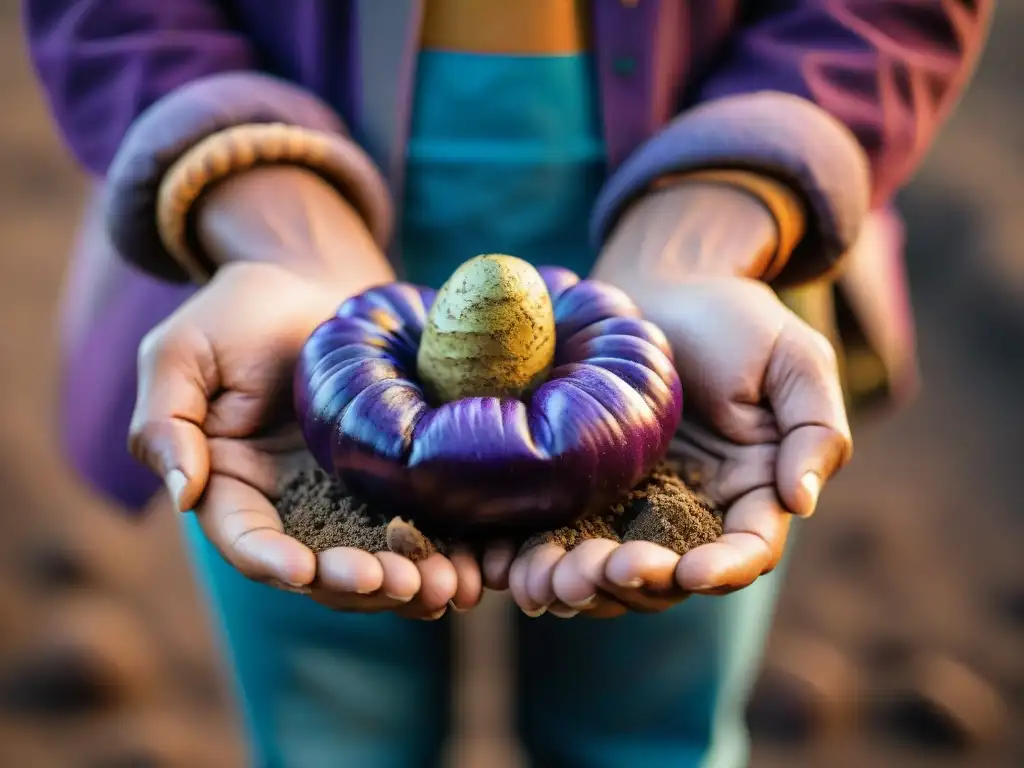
x,y
317,511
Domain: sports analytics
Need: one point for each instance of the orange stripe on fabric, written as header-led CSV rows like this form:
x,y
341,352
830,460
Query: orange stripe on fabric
x,y
510,27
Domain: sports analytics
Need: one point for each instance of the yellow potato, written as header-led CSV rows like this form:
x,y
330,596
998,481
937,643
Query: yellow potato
x,y
491,331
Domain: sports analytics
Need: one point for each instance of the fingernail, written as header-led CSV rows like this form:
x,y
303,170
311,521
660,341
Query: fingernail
x,y
176,481
711,591
630,583
536,612
287,586
583,605
454,607
812,487
564,613
398,598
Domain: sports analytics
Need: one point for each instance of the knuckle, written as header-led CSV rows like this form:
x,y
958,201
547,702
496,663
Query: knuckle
x,y
140,438
761,291
147,430
827,354
821,351
844,450
152,346
145,436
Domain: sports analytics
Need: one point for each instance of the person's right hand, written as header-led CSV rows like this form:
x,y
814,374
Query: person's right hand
x,y
214,383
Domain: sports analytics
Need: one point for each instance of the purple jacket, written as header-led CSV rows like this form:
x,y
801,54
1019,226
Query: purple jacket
x,y
839,98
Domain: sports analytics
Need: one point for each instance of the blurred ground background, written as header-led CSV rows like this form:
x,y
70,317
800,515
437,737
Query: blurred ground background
x,y
900,639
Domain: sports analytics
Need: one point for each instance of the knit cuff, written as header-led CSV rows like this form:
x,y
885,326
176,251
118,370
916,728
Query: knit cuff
x,y
203,132
777,135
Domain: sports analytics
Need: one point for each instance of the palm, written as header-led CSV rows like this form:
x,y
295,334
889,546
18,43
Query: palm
x,y
764,426
239,337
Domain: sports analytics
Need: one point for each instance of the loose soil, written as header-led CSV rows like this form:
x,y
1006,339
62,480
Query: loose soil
x,y
318,511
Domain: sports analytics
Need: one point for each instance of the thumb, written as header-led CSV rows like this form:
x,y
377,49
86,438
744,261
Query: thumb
x,y
177,373
808,457
803,386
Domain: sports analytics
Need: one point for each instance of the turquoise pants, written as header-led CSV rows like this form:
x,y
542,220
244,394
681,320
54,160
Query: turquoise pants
x,y
332,690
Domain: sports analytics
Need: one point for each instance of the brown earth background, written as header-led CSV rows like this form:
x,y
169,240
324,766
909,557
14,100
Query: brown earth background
x,y
900,638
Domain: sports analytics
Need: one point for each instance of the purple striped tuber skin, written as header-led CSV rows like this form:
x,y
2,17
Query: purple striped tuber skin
x,y
580,420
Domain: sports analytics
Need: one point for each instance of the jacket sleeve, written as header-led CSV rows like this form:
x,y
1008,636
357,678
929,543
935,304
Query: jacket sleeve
x,y
133,85
840,98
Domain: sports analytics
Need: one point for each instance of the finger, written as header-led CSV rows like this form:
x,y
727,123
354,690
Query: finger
x,y
349,602
540,569
579,574
808,457
642,564
177,373
497,563
605,607
761,514
244,461
754,538
402,580
560,610
469,580
735,560
517,583
744,423
349,571
245,528
238,414
439,584
641,576
802,382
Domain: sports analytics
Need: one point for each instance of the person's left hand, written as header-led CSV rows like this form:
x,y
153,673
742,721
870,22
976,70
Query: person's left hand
x,y
764,428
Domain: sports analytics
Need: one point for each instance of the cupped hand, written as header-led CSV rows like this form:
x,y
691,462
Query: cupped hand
x,y
764,428
238,515
214,385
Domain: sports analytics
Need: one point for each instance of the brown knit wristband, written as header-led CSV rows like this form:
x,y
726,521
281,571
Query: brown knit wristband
x,y
236,149
783,205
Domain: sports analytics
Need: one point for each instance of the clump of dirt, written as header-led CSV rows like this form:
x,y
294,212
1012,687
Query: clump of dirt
x,y
316,510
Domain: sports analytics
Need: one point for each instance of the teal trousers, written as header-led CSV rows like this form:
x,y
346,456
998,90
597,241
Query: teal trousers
x,y
332,690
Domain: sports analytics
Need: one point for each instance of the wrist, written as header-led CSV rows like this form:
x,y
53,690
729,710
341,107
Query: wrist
x,y
292,218
713,223
253,150
310,298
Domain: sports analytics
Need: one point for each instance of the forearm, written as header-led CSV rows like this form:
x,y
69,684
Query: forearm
x,y
289,216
